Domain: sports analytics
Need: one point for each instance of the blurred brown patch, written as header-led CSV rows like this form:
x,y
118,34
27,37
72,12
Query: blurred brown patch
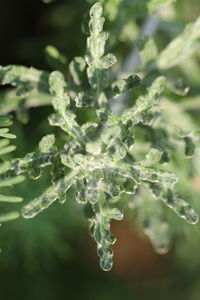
x,y
133,254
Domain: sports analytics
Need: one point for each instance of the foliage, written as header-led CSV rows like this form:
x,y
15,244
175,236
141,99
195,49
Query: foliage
x,y
7,181
113,159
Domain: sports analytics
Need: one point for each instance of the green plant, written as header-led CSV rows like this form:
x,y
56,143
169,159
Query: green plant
x,y
5,148
113,160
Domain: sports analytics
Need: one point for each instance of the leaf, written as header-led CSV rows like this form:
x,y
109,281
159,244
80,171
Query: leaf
x,y
88,129
9,216
5,120
144,104
80,191
112,186
77,67
93,186
176,203
149,52
153,157
125,85
55,59
189,140
8,149
67,123
98,62
152,175
57,169
4,167
4,133
46,143
51,194
84,99
11,199
11,181
110,135
31,163
100,231
96,15
57,87
94,148
189,146
63,118
107,61
181,47
23,76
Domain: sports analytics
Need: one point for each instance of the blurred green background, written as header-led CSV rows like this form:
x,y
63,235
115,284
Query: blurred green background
x,y
52,256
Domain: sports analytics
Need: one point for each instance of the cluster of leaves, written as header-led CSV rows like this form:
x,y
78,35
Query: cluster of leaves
x,y
103,159
7,181
124,16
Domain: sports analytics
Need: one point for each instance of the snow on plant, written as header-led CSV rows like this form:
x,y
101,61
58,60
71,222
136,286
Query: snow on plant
x,y
99,158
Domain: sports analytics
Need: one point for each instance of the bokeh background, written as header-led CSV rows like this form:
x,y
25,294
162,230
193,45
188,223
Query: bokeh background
x,y
53,257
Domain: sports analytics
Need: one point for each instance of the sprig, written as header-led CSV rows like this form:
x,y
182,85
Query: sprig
x,y
112,157
5,148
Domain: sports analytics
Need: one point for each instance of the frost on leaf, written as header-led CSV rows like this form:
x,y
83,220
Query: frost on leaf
x,y
57,87
100,231
124,85
176,203
28,79
142,112
46,143
53,193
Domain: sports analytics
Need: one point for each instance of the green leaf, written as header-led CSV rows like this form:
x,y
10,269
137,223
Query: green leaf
x,y
57,88
30,78
51,194
181,47
32,163
5,120
107,61
8,149
100,231
55,59
67,123
152,175
11,181
125,85
149,52
77,67
4,167
153,157
94,148
11,199
176,203
96,15
46,143
4,133
141,113
189,140
9,216
80,191
98,62
180,207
